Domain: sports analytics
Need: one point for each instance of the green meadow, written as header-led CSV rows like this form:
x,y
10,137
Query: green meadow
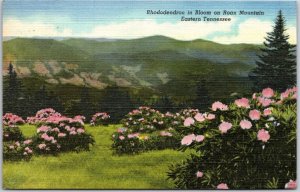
x,y
98,168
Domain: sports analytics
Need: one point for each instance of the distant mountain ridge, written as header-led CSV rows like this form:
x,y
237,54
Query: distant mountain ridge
x,y
155,62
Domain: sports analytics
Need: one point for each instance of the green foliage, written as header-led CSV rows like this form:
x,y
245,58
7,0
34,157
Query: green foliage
x,y
12,133
257,157
16,151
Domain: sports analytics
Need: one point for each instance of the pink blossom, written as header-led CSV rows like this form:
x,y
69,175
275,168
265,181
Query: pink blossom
x,y
291,185
243,102
43,129
222,186
254,114
61,135
121,137
254,96
265,101
284,95
267,112
42,146
210,116
17,143
73,133
218,105
187,140
133,135
165,133
245,124
199,174
28,141
263,135
268,92
80,130
199,138
199,117
121,130
188,121
55,129
224,127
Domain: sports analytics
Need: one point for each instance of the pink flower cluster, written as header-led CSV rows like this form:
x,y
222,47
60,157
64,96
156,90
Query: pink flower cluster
x,y
99,118
42,116
292,93
22,146
291,184
199,117
219,106
165,134
56,129
243,102
188,139
10,119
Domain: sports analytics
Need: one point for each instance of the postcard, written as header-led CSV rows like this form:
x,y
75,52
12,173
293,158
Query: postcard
x,y
149,94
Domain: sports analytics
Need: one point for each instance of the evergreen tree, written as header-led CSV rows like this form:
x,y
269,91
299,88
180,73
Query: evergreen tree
x,y
12,92
276,67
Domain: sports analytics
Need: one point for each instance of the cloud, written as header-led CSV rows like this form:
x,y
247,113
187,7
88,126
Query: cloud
x,y
253,31
125,30
142,28
15,27
250,31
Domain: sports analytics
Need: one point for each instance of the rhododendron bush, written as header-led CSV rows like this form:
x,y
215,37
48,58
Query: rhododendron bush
x,y
100,119
14,146
248,144
59,133
126,141
146,129
55,133
42,116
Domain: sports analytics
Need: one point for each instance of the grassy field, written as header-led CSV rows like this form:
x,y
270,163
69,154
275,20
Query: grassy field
x,y
98,168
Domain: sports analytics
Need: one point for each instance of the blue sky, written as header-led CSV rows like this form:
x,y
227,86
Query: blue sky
x,y
128,19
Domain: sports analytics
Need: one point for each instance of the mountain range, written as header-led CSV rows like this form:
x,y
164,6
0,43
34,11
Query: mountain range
x,y
158,63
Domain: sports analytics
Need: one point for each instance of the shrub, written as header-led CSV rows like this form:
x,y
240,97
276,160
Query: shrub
x,y
144,120
62,134
152,129
14,146
42,116
125,141
11,119
17,150
100,119
12,133
250,144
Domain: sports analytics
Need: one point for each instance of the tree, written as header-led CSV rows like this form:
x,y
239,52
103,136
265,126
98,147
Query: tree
x,y
12,92
276,67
